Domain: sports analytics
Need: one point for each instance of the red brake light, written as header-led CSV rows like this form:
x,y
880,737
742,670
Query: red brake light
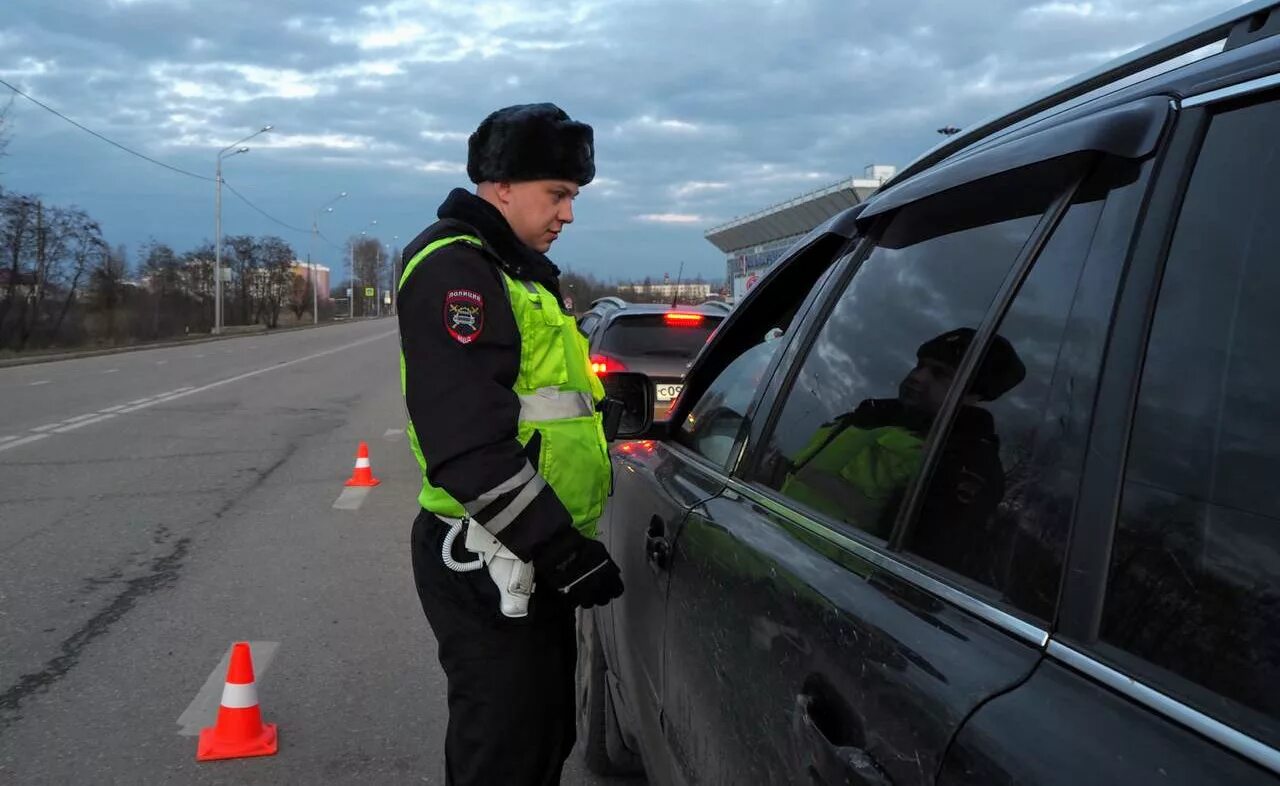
x,y
603,364
682,319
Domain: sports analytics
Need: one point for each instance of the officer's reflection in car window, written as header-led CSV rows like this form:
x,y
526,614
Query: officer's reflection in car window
x,y
857,466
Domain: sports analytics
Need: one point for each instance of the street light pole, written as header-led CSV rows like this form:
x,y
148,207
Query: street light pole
x,y
217,223
315,230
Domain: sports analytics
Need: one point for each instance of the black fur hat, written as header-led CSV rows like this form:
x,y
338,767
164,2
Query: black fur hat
x,y
531,142
1001,370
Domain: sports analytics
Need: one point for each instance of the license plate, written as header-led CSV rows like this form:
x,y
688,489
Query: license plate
x,y
667,392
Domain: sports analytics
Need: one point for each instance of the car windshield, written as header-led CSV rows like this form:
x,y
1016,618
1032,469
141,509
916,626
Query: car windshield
x,y
656,335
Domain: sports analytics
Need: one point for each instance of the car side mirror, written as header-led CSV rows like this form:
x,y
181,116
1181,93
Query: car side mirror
x,y
634,394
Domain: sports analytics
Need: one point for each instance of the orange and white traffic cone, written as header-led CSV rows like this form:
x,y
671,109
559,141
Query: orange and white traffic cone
x,y
239,732
363,473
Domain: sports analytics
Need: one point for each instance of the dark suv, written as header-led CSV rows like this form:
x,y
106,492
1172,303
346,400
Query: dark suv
x,y
655,340
1001,503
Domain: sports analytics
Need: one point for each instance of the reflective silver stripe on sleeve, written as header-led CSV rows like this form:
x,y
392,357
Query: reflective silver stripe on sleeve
x,y
504,517
512,483
555,404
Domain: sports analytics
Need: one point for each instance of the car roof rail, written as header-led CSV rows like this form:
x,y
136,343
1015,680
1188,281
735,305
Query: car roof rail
x,y
610,300
1209,31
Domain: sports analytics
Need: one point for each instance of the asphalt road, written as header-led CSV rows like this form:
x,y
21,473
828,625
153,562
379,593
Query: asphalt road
x,y
156,506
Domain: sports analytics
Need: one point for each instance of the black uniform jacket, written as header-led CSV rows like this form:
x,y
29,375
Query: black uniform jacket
x,y
461,350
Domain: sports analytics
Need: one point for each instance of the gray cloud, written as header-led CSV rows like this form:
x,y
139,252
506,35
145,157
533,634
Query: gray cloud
x,y
703,110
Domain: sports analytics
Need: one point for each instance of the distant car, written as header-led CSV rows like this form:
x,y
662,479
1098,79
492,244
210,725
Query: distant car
x,y
977,485
655,340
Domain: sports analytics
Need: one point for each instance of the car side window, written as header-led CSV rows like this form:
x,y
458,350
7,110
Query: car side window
x,y
997,506
588,323
850,435
1193,599
716,423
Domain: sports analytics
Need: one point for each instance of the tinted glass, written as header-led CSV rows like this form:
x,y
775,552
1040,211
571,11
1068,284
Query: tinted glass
x,y
650,335
998,504
1195,573
851,432
714,424
717,421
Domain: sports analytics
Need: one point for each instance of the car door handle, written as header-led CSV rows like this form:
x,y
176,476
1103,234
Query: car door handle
x,y
827,763
656,548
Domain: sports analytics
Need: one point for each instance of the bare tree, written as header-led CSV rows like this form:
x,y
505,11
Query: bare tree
x,y
106,283
300,293
17,240
84,246
370,267
277,277
585,288
244,266
198,283
163,273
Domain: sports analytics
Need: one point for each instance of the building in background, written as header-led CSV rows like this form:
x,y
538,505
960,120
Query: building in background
x,y
754,242
303,271
665,292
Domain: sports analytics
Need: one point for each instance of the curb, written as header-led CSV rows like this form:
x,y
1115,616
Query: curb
x,y
54,357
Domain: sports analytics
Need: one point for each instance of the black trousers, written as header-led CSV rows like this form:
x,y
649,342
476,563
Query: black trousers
x,y
511,681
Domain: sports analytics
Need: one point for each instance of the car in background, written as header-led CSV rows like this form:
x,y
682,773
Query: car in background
x,y
655,340
977,485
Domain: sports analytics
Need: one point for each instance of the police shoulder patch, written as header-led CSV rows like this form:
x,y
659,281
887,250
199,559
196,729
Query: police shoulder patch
x,y
464,315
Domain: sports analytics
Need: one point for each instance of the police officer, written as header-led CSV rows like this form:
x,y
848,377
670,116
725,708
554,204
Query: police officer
x,y
858,466
503,421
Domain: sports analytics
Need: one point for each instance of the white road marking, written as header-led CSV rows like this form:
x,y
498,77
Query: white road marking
x,y
74,423
161,362
393,433
38,382
6,439
203,709
73,427
351,498
23,441
199,356
111,371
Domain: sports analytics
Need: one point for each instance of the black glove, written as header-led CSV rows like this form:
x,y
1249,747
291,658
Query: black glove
x,y
579,567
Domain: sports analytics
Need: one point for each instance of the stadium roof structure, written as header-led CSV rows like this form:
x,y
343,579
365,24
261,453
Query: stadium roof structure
x,y
793,217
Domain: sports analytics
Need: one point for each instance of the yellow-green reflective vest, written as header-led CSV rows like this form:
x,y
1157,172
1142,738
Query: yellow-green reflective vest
x,y
558,396
853,474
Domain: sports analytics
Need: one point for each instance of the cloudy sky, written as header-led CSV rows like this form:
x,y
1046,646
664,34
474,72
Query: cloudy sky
x,y
704,110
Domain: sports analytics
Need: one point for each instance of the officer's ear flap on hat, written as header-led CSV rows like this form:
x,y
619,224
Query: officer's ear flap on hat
x,y
531,142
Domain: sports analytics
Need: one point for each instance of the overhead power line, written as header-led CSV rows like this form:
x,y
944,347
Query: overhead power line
x,y
327,240
109,141
151,160
269,217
